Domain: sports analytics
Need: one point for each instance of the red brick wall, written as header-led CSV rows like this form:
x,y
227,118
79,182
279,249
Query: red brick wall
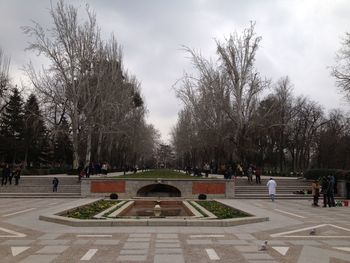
x,y
107,187
208,188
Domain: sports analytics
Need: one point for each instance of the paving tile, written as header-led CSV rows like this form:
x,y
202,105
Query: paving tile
x,y
256,256
199,241
167,244
245,236
232,242
81,242
134,252
169,258
136,245
305,242
168,251
50,236
136,258
167,241
106,242
39,259
17,242
140,235
247,248
139,239
52,250
54,242
167,236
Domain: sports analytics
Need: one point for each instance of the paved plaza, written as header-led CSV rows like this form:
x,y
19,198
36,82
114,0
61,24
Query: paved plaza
x,y
25,239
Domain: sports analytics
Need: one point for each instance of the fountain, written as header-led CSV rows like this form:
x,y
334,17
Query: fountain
x,y
157,210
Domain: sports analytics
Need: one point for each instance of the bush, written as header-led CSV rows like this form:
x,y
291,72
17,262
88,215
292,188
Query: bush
x,y
317,174
113,196
202,197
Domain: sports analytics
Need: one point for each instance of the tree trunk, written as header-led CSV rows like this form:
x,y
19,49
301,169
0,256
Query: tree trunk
x,y
99,145
88,146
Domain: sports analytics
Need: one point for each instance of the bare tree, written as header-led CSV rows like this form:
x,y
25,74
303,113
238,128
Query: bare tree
x,y
4,78
342,70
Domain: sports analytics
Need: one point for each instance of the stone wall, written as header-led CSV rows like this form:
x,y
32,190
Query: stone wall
x,y
128,188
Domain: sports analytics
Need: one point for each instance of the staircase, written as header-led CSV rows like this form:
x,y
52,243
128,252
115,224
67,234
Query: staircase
x,y
285,188
41,187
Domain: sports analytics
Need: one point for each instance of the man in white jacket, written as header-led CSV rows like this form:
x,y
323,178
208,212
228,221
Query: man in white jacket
x,y
271,185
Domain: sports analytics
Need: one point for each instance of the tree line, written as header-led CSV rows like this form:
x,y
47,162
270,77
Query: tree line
x,y
85,106
232,115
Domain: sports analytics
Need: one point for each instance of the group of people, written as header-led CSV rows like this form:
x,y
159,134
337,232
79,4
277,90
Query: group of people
x,y
91,169
327,189
229,171
8,173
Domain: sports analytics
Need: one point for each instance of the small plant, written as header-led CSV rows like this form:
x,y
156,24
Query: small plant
x,y
202,197
113,196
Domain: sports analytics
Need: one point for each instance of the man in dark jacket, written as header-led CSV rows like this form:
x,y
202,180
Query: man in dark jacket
x,y
55,184
325,185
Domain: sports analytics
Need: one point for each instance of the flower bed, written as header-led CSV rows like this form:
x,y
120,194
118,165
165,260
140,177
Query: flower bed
x,y
88,211
222,211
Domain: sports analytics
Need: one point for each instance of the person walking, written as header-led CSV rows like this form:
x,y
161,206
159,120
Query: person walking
x,y
17,174
257,176
271,185
55,182
324,190
10,176
315,187
5,174
330,191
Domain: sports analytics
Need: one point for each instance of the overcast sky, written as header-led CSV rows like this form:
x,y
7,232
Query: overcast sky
x,y
299,39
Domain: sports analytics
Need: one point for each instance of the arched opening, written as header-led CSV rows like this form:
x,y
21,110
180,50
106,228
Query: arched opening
x,y
158,190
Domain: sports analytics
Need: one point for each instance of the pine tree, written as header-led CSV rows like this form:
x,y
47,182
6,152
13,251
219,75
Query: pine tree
x,y
35,134
12,129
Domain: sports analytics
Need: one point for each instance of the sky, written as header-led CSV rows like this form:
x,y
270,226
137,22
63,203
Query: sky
x,y
299,39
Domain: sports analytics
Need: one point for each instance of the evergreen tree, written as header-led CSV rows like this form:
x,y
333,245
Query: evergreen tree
x,y
12,129
35,135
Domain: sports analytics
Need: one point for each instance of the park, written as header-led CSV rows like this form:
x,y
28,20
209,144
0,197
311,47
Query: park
x,y
186,131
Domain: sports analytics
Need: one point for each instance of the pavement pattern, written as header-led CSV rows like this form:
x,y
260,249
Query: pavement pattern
x,y
26,239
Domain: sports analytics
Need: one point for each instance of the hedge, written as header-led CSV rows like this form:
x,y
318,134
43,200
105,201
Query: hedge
x,y
314,174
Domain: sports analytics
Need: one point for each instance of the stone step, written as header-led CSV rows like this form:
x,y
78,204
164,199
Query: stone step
x,y
39,195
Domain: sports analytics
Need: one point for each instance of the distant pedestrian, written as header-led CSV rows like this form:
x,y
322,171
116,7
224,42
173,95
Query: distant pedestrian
x,y
330,191
55,182
271,185
17,175
250,174
257,176
324,190
5,174
104,168
10,176
315,187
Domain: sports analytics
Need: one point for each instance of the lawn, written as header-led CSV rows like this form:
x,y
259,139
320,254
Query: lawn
x,y
161,173
222,211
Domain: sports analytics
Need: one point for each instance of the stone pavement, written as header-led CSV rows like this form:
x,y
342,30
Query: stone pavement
x,y
25,239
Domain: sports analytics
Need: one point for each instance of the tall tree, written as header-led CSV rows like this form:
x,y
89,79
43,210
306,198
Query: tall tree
x,y
35,134
12,128
341,71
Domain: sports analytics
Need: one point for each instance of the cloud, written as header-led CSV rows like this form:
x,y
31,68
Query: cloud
x,y
300,39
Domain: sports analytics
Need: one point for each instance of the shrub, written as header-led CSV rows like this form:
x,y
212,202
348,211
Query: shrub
x,y
317,174
202,197
113,196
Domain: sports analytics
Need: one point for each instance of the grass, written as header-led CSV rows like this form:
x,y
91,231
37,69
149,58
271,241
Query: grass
x,y
222,211
88,211
161,173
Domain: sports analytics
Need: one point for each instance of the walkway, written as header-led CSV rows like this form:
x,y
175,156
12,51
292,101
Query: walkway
x,y
25,239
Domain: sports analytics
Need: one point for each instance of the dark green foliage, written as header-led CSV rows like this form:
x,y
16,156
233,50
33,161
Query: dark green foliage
x,y
35,135
63,149
88,211
113,196
202,197
314,174
12,127
222,211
